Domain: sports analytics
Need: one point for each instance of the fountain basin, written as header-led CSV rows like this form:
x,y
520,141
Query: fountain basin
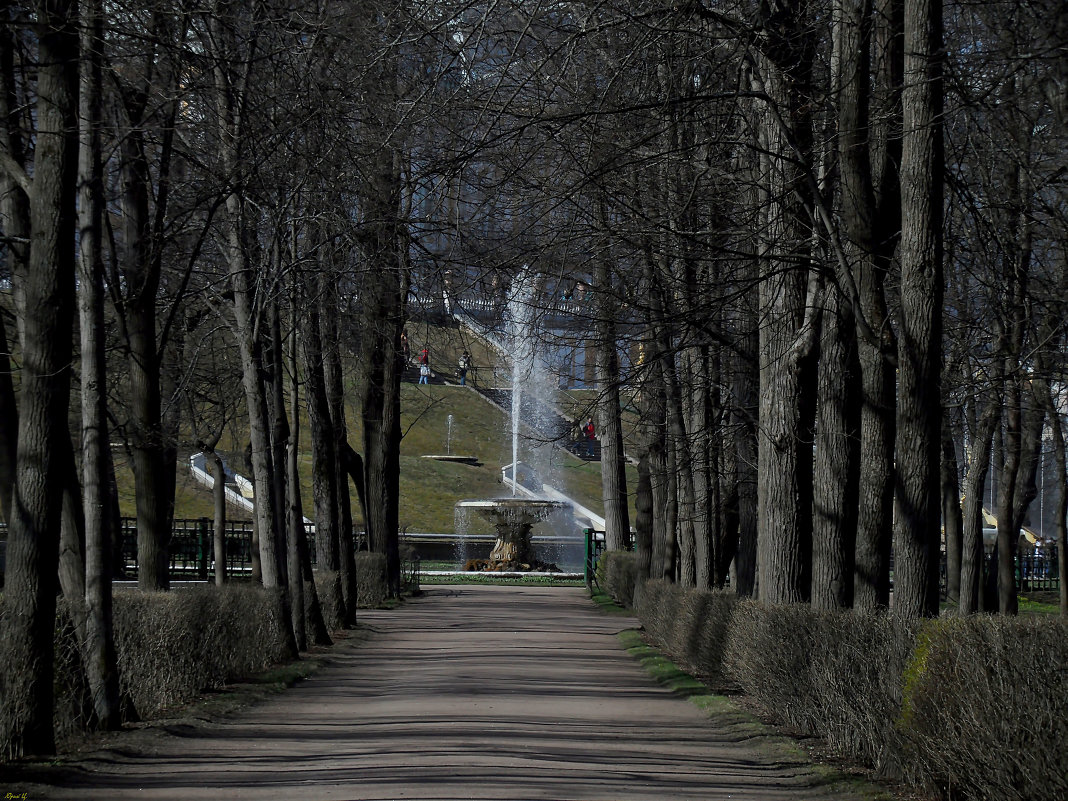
x,y
513,519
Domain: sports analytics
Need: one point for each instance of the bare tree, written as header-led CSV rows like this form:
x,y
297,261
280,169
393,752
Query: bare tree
x,y
47,290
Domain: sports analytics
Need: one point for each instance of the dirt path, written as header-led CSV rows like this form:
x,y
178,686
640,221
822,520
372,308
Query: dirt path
x,y
468,692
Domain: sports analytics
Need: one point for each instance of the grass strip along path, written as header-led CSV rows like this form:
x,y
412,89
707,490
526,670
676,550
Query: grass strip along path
x,y
469,692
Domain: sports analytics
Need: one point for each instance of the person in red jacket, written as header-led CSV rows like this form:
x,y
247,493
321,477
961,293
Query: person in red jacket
x,y
591,436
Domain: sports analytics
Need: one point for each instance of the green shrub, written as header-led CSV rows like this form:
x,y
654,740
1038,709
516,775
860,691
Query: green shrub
x,y
617,575
371,587
172,645
713,615
833,674
691,626
986,708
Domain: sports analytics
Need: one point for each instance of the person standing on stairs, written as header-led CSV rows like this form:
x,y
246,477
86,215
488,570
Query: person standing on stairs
x,y
465,365
591,436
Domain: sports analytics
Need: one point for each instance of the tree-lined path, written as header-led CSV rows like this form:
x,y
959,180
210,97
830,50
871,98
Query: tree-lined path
x,y
468,692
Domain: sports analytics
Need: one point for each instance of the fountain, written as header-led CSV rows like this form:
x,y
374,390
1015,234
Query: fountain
x,y
514,517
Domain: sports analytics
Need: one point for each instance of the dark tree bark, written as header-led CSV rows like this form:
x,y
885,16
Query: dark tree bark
x,y
289,574
697,365
744,425
336,399
919,418
323,442
971,569
952,517
353,464
788,293
307,605
384,295
144,208
870,211
15,213
643,518
663,535
294,512
101,662
48,293
837,461
218,473
1060,462
613,461
9,415
232,51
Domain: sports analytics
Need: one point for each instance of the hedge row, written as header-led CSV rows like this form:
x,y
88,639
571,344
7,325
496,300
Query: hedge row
x,y
617,575
968,708
170,647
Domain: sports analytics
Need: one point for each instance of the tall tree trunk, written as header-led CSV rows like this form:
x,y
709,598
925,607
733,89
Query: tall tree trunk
x,y
15,222
48,293
681,469
294,513
9,415
972,549
663,543
72,542
323,440
837,461
307,604
384,296
788,291
336,399
919,418
141,273
643,518
744,423
952,518
696,367
218,473
248,318
1060,462
288,551
101,661
613,461
870,213
251,352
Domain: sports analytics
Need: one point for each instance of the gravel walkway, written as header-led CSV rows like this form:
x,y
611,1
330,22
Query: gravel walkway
x,y
465,693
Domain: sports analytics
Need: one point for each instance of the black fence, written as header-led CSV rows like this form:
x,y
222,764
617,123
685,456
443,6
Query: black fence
x,y
192,550
192,555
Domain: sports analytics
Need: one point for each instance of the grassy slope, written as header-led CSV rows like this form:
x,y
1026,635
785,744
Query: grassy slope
x,y
428,488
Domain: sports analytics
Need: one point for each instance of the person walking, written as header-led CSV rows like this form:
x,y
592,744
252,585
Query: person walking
x,y
424,373
465,365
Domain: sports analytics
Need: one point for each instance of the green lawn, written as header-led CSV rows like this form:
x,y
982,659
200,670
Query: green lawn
x,y
428,488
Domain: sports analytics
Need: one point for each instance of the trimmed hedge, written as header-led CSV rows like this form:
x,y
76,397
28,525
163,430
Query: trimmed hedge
x,y
172,645
689,625
971,708
617,575
986,707
833,674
